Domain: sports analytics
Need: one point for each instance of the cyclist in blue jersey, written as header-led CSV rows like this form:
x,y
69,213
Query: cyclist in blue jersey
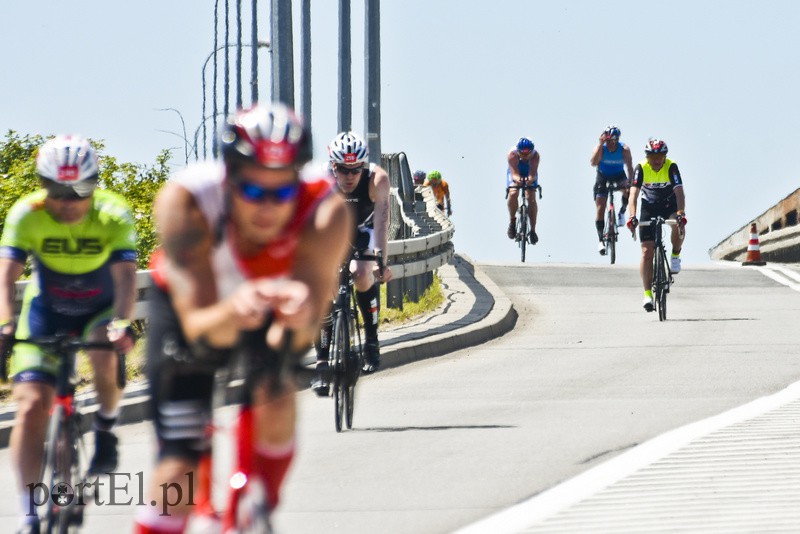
x,y
523,164
612,158
82,245
661,186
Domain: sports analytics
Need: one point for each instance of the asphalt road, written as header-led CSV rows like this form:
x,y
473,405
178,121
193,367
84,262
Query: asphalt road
x,y
585,375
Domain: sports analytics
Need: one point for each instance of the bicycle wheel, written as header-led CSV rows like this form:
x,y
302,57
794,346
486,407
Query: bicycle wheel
x,y
522,232
59,473
339,350
611,235
660,283
354,366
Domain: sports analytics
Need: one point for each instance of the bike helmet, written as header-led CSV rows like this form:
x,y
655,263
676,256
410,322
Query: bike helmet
x,y
655,146
348,148
434,176
612,132
419,177
270,135
524,144
69,161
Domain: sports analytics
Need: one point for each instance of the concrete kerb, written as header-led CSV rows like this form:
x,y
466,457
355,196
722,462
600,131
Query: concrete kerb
x,y
501,319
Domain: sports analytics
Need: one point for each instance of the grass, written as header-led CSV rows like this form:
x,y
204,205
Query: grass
x,y
431,299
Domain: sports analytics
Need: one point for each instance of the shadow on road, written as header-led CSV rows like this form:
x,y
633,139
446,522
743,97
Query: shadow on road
x,y
412,428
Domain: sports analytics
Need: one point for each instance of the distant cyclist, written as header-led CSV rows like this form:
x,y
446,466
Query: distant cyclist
x,y
661,186
82,244
523,164
419,177
612,158
365,187
441,191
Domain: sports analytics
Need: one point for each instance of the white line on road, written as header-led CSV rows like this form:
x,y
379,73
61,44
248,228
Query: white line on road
x,y
772,272
562,496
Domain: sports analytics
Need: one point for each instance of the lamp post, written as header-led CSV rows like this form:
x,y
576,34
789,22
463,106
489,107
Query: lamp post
x,y
260,44
185,140
202,125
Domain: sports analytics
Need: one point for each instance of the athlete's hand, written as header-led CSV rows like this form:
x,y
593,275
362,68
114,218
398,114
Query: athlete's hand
x,y
449,211
254,299
121,335
603,138
632,223
680,217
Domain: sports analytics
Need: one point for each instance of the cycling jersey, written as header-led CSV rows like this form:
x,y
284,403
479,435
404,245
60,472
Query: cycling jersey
x,y
358,199
524,168
206,182
612,163
71,262
657,187
71,288
440,191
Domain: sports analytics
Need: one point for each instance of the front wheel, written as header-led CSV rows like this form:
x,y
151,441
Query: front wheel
x,y
611,236
59,474
522,230
660,284
339,354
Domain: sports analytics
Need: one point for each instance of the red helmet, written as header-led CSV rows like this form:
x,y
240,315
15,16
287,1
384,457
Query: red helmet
x,y
656,146
270,135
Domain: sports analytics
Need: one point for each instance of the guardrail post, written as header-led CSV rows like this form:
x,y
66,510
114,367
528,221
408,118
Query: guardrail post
x,y
394,294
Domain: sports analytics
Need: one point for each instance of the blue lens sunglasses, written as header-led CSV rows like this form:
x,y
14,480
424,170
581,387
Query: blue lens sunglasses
x,y
256,193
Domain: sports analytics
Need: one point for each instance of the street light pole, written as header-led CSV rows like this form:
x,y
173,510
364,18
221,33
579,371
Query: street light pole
x,y
259,44
185,141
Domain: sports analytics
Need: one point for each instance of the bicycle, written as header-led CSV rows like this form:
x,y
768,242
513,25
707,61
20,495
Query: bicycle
x,y
346,348
610,232
247,511
522,214
662,274
65,455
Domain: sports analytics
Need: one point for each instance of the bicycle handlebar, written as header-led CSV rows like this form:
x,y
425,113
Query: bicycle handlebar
x,y
524,187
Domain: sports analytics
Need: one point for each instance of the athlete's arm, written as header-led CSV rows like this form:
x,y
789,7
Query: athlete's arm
x,y
628,159
534,165
379,194
187,240
633,197
10,271
513,164
322,248
677,187
123,273
597,154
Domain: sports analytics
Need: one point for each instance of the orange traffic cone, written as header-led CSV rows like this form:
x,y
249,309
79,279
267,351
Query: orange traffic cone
x,y
753,252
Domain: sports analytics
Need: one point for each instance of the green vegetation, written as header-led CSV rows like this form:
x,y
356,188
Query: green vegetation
x,y
431,299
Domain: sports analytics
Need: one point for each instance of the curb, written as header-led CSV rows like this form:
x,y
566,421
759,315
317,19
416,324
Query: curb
x,y
500,320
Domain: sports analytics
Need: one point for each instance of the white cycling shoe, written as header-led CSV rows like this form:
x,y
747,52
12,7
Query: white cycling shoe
x,y
649,304
675,265
601,248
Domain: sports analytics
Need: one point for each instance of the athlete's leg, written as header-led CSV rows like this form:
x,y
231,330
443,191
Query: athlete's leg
x,y
646,266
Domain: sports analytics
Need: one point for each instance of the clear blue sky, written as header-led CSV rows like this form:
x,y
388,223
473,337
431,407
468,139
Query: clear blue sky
x,y
461,81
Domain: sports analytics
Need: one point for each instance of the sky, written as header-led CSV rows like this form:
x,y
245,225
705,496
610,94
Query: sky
x,y
461,82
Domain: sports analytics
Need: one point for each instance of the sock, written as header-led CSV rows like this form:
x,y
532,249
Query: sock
x,y
271,463
323,346
149,521
599,225
648,293
624,205
678,255
103,422
368,304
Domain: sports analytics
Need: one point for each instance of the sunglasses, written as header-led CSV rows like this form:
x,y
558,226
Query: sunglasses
x,y
57,191
349,170
256,193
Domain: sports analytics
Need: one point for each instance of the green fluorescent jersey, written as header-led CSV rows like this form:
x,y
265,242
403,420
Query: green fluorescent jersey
x,y
71,261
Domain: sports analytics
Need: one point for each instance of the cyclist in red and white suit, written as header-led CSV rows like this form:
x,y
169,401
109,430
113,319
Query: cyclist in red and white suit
x,y
249,249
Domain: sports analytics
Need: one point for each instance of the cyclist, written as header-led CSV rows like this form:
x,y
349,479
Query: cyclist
x,y
661,187
441,190
523,163
612,158
419,177
82,245
249,248
365,187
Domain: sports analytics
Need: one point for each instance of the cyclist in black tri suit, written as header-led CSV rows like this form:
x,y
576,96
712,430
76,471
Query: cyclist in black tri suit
x,y
661,186
365,187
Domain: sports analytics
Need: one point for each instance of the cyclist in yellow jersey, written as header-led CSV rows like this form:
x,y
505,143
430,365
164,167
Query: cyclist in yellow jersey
x,y
83,249
441,190
659,182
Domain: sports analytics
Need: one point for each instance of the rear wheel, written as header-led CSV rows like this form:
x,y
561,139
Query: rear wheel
x,y
660,284
354,366
59,474
522,232
339,350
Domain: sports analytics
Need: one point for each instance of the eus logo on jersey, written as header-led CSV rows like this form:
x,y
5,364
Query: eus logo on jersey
x,y
60,245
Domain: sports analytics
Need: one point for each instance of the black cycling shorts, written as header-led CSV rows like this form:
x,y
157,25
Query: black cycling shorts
x,y
181,380
664,209
600,189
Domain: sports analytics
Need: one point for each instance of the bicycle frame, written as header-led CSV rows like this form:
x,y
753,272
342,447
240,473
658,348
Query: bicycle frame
x,y
610,234
662,274
522,213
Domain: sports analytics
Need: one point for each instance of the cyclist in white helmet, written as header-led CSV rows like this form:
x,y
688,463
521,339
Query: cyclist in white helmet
x,y
82,244
365,187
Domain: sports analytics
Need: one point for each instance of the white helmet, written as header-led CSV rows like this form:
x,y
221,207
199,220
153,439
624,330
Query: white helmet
x,y
348,148
70,161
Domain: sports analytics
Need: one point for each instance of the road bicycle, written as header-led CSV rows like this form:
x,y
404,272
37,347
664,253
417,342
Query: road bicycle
x,y
610,232
522,213
346,347
65,482
662,274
